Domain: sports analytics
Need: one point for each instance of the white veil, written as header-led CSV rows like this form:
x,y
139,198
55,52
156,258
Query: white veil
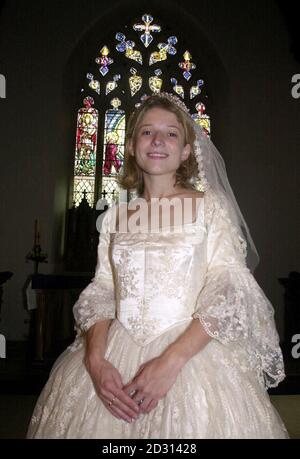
x,y
212,174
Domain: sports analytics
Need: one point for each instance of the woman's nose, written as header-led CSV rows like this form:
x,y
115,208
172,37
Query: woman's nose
x,y
157,139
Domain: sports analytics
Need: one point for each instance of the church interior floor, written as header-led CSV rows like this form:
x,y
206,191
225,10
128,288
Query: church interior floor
x,y
21,381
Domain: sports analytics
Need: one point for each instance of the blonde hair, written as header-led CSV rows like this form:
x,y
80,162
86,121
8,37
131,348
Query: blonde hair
x,y
131,177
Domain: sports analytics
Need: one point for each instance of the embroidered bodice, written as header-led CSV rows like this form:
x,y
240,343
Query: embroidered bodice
x,y
158,277
151,282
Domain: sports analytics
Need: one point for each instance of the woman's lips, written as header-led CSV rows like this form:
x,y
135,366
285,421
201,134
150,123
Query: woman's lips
x,y
157,155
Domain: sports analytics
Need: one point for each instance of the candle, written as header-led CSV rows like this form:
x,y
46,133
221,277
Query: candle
x,y
36,231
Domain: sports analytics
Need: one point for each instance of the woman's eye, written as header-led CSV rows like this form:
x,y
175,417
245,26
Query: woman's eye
x,y
172,134
146,132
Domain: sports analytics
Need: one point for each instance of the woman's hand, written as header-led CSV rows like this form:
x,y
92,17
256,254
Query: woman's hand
x,y
152,382
108,385
155,378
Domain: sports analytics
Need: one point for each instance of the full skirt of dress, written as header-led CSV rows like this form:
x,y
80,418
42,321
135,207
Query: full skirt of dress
x,y
212,397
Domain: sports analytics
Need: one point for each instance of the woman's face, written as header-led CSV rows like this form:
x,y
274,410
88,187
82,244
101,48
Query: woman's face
x,y
159,144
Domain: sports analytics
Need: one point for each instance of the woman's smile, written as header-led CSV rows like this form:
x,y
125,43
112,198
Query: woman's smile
x,y
155,155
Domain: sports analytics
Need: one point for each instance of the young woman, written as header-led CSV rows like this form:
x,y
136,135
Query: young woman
x,y
175,337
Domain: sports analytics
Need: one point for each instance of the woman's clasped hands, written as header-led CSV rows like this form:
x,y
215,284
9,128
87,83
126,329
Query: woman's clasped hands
x,y
151,383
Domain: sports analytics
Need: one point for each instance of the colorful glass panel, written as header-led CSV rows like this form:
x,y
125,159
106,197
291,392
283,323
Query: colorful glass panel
x,y
104,61
155,82
94,84
196,90
135,82
177,88
111,85
164,50
202,118
85,152
187,65
113,152
147,28
127,47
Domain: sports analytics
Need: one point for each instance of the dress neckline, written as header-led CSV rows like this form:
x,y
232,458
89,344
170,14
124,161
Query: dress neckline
x,y
171,227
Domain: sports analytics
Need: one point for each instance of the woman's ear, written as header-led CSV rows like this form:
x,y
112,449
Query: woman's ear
x,y
130,147
186,152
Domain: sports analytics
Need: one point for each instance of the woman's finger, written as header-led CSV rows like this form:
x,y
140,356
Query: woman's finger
x,y
117,412
143,402
126,401
126,412
153,404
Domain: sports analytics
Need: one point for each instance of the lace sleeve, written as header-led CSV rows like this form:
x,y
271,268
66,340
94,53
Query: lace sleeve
x,y
231,305
97,301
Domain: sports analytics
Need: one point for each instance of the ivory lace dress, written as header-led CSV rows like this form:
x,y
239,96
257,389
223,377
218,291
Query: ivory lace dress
x,y
153,285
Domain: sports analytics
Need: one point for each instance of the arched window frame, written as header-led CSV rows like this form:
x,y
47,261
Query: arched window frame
x,y
133,54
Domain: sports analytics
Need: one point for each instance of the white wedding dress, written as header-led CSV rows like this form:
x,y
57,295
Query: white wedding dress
x,y
153,285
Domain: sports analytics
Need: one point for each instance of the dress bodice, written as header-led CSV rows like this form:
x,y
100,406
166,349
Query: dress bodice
x,y
152,282
158,276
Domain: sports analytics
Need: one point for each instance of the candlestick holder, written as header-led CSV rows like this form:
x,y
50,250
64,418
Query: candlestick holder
x,y
37,256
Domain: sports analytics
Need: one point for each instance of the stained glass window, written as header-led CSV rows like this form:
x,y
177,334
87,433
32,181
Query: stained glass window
x,y
85,155
137,60
202,118
135,81
113,150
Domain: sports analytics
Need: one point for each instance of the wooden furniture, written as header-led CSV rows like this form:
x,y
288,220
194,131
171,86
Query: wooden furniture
x,y
52,327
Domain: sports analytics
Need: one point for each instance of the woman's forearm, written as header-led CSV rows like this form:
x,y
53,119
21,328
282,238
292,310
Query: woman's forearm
x,y
96,337
192,341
